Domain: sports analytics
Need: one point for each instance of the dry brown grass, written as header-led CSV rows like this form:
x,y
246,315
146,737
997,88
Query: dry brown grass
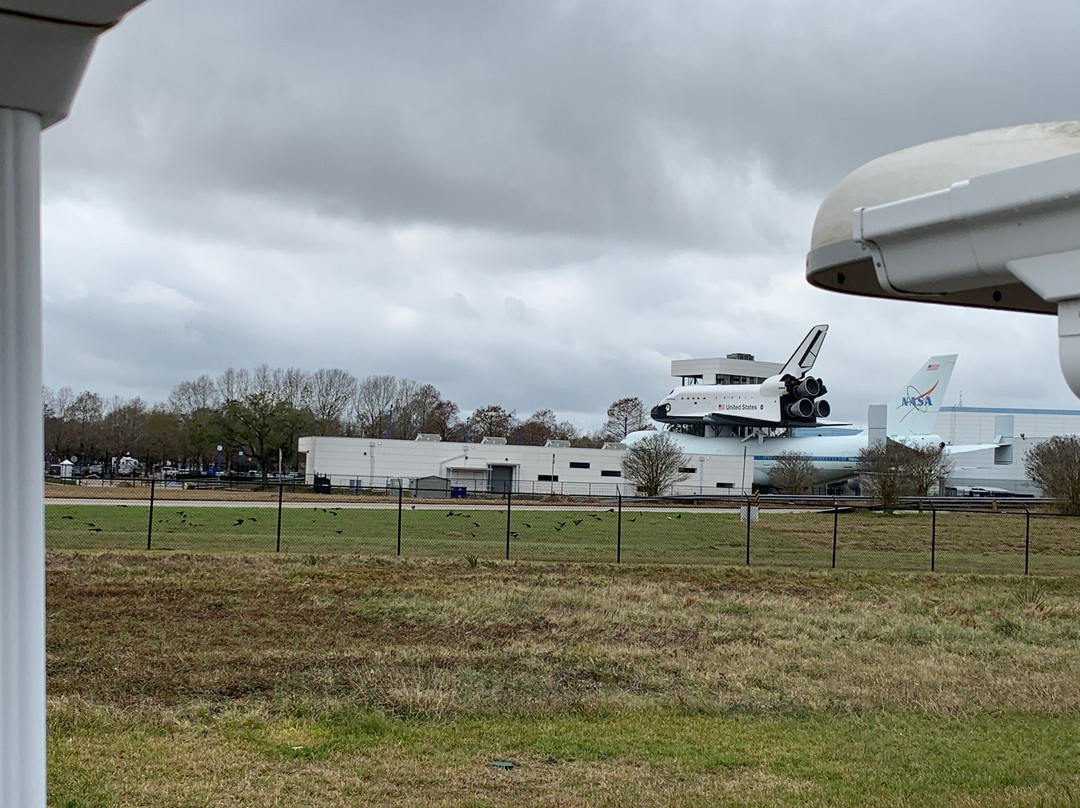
x,y
442,639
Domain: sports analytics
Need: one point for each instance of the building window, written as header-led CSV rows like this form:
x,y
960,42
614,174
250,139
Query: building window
x,y
577,464
547,478
610,473
725,485
688,471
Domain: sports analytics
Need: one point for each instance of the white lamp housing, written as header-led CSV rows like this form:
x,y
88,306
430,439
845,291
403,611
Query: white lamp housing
x,y
990,219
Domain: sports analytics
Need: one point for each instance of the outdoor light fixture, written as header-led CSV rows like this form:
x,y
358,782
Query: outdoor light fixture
x,y
44,48
990,219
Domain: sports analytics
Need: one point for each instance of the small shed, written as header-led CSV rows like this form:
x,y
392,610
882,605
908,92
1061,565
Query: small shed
x,y
67,469
432,486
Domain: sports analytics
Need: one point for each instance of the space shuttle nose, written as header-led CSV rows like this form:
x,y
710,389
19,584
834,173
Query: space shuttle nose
x,y
659,412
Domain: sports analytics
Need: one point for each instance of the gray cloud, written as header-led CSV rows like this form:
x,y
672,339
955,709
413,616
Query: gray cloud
x,y
532,204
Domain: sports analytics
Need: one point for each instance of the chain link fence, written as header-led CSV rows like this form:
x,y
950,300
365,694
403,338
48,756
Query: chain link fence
x,y
244,517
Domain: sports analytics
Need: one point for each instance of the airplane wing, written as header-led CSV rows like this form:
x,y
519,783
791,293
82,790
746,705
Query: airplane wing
x,y
920,441
805,355
951,449
728,419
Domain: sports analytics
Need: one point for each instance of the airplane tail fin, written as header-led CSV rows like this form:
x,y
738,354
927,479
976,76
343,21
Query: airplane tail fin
x,y
914,411
806,354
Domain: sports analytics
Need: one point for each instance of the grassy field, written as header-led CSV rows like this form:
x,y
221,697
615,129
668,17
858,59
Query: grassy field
x,y
300,679
964,542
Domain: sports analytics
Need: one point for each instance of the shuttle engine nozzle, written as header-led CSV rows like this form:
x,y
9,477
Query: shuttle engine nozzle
x,y
822,408
803,408
808,388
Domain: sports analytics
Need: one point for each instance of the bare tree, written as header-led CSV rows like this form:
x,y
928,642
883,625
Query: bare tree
x,y
123,425
442,419
493,421
189,397
233,384
653,463
928,466
58,431
330,393
623,417
375,396
1054,466
194,404
792,473
538,428
891,470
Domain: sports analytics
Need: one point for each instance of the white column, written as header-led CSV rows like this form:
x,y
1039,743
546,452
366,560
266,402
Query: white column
x,y
22,522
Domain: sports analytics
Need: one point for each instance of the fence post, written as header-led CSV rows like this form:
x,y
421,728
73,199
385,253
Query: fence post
x,y
835,517
509,494
618,534
748,531
1027,537
933,537
280,496
400,494
150,522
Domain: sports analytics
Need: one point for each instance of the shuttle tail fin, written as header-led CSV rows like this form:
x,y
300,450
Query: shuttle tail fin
x,y
914,411
806,354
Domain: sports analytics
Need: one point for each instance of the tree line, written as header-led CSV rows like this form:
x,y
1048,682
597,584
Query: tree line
x,y
263,412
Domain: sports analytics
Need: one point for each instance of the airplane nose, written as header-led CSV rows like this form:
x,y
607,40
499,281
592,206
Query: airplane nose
x,y
660,411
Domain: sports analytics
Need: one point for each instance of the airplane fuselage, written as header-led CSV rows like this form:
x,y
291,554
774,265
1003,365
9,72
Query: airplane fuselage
x,y
835,457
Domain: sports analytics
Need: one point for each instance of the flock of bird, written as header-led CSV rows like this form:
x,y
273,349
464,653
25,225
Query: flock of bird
x,y
471,528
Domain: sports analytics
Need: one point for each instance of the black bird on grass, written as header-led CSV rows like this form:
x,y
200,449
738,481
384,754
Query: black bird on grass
x,y
238,522
67,517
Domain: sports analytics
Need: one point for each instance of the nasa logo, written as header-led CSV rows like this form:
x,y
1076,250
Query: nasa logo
x,y
917,401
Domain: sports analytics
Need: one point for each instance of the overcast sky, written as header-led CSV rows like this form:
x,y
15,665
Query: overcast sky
x,y
537,205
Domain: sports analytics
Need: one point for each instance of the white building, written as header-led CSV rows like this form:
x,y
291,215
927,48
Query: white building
x,y
493,466
735,368
968,425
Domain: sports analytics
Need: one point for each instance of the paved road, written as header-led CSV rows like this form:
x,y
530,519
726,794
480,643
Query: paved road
x,y
455,505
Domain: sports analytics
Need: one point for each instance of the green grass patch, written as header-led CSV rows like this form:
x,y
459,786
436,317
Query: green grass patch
x,y
985,542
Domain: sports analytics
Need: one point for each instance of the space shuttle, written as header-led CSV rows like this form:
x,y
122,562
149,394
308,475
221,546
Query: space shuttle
x,y
911,420
792,398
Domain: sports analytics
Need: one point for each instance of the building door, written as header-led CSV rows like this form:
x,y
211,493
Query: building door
x,y
502,479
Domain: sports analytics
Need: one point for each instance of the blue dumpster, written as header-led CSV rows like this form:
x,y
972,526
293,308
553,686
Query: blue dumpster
x,y
458,492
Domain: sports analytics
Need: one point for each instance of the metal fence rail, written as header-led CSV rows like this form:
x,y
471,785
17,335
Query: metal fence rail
x,y
1018,536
